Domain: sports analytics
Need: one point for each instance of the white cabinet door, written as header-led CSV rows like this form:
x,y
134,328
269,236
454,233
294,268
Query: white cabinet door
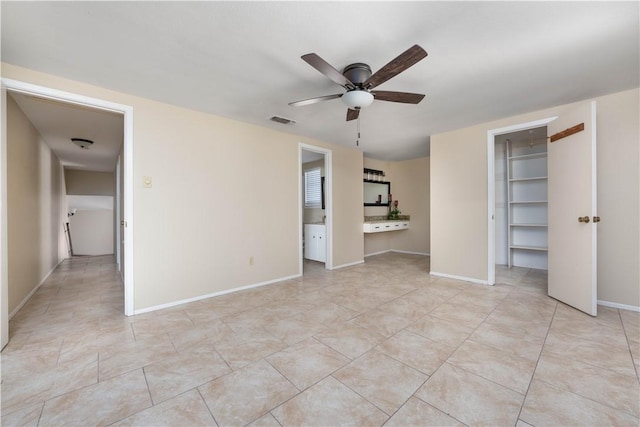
x,y
572,209
315,247
308,247
321,245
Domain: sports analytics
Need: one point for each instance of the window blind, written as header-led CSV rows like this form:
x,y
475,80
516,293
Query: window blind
x,y
312,191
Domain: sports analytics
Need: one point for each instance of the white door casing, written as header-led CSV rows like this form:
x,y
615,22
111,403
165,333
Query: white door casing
x,y
57,95
572,195
491,196
328,172
4,274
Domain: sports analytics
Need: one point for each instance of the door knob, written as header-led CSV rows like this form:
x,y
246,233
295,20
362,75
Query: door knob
x,y
596,219
584,219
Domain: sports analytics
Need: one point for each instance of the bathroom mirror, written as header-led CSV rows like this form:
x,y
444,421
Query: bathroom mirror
x,y
376,193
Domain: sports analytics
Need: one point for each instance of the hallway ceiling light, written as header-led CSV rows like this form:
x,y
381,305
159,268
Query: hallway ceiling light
x,y
82,143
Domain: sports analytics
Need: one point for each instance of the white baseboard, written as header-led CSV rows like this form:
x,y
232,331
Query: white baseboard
x,y
400,252
464,279
618,305
33,291
412,252
378,253
214,294
347,265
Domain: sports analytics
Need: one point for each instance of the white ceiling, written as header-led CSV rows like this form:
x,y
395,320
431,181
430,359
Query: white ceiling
x,y
59,122
241,60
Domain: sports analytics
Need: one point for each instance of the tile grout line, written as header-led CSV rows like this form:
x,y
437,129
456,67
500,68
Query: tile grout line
x,y
206,405
624,330
406,400
445,361
367,400
339,282
537,362
40,414
438,409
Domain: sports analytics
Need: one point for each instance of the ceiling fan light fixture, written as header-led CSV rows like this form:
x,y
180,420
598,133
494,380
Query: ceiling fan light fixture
x,y
357,98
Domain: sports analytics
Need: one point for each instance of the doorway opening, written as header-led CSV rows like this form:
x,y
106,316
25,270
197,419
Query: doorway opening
x,y
517,202
315,209
124,193
521,200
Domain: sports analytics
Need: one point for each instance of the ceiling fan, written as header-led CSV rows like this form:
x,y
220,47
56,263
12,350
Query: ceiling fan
x,y
359,82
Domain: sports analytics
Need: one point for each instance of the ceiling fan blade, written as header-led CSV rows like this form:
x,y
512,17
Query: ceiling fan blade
x,y
352,114
327,69
314,100
405,60
404,97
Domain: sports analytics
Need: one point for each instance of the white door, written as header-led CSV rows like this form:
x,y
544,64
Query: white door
x,y
572,209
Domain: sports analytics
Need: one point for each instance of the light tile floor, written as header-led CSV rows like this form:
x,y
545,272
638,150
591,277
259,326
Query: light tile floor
x,y
379,343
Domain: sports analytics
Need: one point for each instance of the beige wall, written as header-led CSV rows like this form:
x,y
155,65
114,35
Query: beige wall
x,y
207,212
410,186
618,124
35,193
87,230
92,232
459,197
88,183
459,203
348,209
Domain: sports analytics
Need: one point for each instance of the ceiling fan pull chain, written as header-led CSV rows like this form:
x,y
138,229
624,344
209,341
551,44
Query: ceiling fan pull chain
x,y
358,139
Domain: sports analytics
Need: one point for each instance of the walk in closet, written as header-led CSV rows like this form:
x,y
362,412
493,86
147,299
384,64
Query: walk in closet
x,y
521,199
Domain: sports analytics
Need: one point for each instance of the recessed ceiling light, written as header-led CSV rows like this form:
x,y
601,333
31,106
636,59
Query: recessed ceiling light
x,y
82,143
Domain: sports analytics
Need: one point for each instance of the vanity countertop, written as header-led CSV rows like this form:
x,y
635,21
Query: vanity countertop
x,y
383,218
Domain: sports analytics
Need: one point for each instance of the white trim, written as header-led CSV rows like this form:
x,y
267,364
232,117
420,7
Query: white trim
x,y
4,263
378,253
59,95
398,251
411,252
491,207
34,290
464,279
491,188
620,306
128,213
328,203
214,294
594,212
118,241
127,111
351,264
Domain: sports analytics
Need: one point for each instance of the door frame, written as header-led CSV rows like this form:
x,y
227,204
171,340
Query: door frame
x,y
118,230
491,187
72,98
328,193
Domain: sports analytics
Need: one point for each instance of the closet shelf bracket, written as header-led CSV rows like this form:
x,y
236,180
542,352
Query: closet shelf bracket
x,y
567,132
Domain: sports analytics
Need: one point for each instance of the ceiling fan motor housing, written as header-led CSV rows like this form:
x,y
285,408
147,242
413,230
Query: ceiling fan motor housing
x,y
357,73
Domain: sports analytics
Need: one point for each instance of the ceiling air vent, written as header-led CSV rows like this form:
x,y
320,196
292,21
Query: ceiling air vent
x,y
282,120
